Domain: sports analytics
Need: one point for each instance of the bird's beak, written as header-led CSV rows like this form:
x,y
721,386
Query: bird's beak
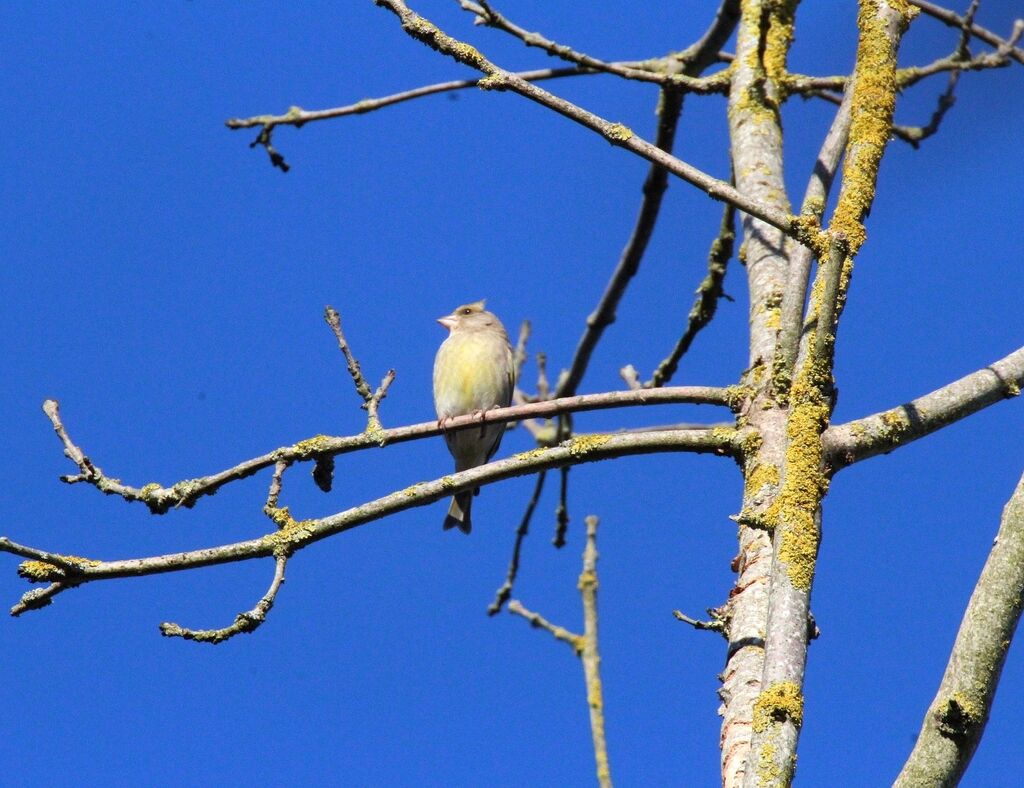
x,y
447,321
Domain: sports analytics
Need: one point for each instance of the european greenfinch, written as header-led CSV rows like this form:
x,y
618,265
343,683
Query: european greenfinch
x,y
473,373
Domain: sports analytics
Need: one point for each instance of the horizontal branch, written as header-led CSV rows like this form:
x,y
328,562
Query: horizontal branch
x,y
882,432
185,493
46,566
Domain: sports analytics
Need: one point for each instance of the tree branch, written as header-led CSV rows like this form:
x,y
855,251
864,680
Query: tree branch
x,y
505,591
616,133
585,647
185,493
795,514
957,717
488,16
249,621
882,432
294,535
953,19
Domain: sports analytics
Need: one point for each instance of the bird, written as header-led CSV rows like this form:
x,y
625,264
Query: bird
x,y
473,373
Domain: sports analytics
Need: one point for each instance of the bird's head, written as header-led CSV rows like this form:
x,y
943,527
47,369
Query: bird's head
x,y
469,316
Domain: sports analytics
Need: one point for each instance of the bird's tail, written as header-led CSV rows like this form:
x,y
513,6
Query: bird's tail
x,y
458,513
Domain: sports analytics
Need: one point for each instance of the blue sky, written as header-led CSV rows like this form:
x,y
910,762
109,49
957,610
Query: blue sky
x,y
167,285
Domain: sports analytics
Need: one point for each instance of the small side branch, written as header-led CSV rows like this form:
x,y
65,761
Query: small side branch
x,y
371,399
957,717
487,15
715,624
574,641
953,19
249,621
585,647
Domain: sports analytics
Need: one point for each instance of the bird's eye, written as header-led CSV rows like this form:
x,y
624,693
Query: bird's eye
x,y
467,311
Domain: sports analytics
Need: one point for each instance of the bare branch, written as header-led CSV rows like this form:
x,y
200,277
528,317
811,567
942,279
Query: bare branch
x,y
957,717
716,624
246,622
574,641
882,432
185,493
371,399
706,303
616,133
815,200
585,647
487,15
294,535
953,19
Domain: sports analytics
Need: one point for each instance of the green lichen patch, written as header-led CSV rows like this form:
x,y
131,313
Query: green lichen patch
x,y
532,454
582,445
778,40
804,483
617,132
776,703
760,475
310,447
45,572
871,109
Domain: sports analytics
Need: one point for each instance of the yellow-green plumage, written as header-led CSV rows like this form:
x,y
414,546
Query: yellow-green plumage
x,y
473,372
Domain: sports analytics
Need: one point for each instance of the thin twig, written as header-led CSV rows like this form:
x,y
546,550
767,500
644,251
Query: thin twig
x,y
246,622
371,399
708,293
585,647
953,19
505,591
713,625
562,510
487,15
38,598
591,655
574,641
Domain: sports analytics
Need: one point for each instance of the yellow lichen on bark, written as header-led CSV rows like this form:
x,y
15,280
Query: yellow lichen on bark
x,y
777,702
873,103
778,40
805,483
